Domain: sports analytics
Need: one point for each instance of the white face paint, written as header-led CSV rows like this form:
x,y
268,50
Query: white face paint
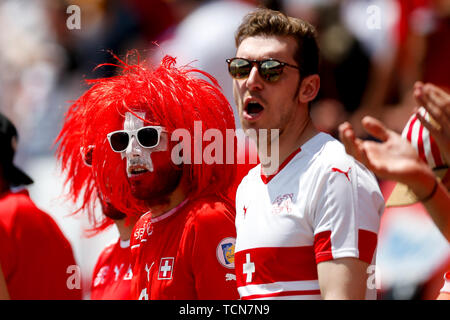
x,y
138,158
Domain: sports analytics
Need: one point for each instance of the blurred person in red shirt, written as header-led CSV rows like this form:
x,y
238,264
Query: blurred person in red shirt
x,y
112,275
35,256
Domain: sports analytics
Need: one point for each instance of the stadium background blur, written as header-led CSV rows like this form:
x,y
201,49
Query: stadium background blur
x,y
372,52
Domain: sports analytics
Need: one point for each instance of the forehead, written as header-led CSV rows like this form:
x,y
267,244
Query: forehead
x,y
263,47
132,121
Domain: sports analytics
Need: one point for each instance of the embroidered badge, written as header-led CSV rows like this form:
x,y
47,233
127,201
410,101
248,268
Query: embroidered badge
x,y
225,252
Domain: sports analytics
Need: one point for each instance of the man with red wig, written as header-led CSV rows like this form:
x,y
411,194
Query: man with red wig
x,y
148,125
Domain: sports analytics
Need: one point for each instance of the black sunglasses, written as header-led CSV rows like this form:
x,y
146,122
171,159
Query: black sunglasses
x,y
269,69
147,137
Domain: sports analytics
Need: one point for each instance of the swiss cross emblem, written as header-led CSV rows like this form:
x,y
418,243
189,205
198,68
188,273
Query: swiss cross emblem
x,y
248,268
166,268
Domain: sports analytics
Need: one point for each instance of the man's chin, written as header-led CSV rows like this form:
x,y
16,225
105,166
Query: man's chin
x,y
143,194
154,191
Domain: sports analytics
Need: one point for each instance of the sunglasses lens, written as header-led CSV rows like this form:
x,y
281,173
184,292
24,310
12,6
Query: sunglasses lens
x,y
271,70
239,68
119,141
148,137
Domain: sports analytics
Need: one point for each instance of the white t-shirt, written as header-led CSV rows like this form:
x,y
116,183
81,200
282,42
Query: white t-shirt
x,y
321,205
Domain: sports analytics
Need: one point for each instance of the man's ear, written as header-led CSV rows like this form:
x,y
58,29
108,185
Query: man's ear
x,y
309,88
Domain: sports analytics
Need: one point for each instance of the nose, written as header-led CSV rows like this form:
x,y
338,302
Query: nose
x,y
133,149
254,80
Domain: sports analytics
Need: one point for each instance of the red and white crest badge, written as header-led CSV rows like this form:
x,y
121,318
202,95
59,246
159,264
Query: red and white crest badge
x,y
283,204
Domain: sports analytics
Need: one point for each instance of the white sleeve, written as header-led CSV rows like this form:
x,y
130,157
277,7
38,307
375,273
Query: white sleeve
x,y
345,211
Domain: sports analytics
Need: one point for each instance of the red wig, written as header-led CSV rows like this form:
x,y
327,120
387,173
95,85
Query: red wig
x,y
175,98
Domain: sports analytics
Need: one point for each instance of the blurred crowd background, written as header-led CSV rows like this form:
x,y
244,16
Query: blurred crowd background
x,y
372,52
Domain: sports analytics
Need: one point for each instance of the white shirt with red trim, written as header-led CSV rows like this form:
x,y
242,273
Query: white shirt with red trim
x,y
320,205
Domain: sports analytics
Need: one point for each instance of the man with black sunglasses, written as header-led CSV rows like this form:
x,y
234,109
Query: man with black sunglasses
x,y
306,229
182,247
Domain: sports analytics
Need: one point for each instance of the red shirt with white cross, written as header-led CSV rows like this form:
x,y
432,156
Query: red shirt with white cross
x,y
186,253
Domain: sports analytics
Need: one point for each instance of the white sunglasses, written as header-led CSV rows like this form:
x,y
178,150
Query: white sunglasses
x,y
147,137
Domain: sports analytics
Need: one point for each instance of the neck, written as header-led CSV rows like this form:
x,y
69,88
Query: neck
x,y
288,141
174,199
125,227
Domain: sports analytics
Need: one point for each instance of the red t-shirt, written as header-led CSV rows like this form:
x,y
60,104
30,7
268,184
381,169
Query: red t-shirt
x,y
112,274
36,258
186,253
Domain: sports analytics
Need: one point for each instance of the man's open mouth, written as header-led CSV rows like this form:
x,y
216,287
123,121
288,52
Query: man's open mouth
x,y
137,170
252,110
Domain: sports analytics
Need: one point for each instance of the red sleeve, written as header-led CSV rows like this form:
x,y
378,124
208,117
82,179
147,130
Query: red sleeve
x,y
212,243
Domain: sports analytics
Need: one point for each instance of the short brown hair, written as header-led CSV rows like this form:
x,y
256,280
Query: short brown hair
x,y
274,23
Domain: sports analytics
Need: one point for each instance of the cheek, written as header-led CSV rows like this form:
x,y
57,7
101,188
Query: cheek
x,y
159,183
161,160
147,157
237,89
